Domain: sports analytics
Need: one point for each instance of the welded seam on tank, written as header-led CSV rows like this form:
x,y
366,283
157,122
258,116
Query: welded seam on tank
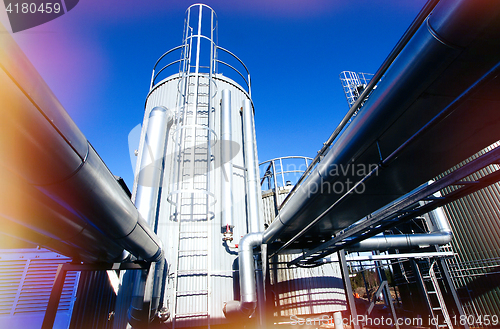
x,y
439,38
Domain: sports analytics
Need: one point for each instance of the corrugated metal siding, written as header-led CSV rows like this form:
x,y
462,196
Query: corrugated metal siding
x,y
26,279
302,291
94,303
475,221
269,205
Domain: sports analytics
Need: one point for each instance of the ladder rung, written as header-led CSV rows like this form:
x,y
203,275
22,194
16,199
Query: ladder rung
x,y
436,308
191,315
192,292
194,237
196,271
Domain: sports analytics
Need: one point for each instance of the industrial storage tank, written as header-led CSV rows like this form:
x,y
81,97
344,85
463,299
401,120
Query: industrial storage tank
x,y
196,180
296,292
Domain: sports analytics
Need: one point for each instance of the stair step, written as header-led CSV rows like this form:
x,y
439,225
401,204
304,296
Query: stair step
x,y
191,315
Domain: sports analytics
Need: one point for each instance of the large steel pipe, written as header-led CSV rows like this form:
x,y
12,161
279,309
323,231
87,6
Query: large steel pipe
x,y
254,194
390,115
30,215
226,161
42,146
144,304
152,160
440,234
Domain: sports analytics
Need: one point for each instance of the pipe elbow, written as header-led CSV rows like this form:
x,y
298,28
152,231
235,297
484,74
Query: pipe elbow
x,y
446,237
249,242
236,310
244,308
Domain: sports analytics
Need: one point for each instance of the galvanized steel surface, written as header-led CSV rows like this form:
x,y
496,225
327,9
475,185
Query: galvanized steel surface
x,y
194,295
302,291
420,82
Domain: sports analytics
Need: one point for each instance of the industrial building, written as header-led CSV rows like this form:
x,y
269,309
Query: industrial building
x,y
393,223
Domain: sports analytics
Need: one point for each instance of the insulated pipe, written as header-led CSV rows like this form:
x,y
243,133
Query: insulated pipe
x,y
402,241
42,146
415,25
418,65
248,290
94,195
254,193
440,234
25,213
146,201
151,167
226,161
137,315
146,294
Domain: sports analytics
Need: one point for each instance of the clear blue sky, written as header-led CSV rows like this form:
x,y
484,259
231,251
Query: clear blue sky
x,y
98,58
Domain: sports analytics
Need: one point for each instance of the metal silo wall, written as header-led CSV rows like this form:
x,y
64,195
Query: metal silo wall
x,y
475,221
302,291
223,268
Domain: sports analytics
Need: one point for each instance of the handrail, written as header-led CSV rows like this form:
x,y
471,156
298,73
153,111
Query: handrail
x,y
153,75
282,172
415,25
166,53
157,74
244,79
247,81
188,37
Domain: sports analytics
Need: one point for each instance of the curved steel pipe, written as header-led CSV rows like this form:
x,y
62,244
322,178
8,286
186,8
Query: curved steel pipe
x,y
415,69
248,290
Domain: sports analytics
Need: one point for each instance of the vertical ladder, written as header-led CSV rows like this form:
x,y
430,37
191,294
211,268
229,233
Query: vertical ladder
x,y
192,278
192,194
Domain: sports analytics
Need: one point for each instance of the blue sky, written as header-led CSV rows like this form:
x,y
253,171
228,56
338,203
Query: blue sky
x,y
98,58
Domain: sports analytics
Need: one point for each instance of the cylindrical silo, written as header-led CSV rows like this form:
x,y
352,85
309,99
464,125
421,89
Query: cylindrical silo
x,y
201,205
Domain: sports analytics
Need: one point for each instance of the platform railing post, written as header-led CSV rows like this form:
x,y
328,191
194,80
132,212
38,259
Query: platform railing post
x,y
55,296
